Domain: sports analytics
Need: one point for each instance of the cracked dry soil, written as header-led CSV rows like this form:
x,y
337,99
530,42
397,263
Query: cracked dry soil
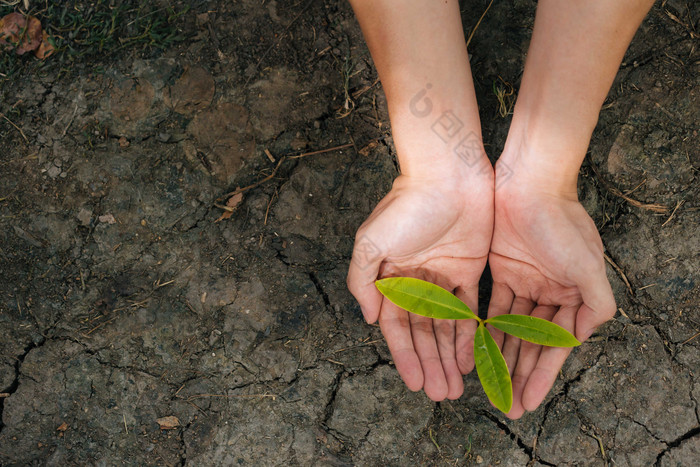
x,y
122,300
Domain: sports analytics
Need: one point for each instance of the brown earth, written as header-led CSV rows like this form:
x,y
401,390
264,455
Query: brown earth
x,y
124,301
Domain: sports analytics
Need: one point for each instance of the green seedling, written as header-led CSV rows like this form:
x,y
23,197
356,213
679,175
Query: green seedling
x,y
429,300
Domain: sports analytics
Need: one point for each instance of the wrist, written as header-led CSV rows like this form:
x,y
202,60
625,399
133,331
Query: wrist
x,y
423,155
535,164
436,137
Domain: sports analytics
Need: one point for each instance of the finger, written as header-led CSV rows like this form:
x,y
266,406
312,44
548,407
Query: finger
x,y
445,334
396,327
424,342
548,364
527,360
599,304
511,344
517,410
500,304
363,271
466,328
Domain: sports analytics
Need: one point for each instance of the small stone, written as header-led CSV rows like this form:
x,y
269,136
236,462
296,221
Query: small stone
x,y
168,423
53,171
107,219
84,216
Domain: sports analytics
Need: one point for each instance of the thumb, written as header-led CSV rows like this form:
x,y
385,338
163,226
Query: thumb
x,y
598,303
363,271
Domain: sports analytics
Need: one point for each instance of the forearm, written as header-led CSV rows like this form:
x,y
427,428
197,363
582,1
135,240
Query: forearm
x,y
419,50
574,55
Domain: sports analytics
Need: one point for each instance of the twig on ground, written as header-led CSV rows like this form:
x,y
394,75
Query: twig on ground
x,y
16,127
321,151
70,122
629,192
249,187
660,208
274,172
680,203
267,211
478,23
432,438
600,445
356,346
233,396
619,271
682,343
360,92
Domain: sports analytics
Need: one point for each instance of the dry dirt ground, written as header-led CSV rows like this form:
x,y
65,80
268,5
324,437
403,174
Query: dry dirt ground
x,y
124,301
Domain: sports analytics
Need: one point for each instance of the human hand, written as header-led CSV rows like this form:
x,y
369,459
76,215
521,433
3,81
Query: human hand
x,y
435,230
547,261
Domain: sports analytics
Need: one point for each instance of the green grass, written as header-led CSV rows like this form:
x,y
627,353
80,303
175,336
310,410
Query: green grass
x,y
97,31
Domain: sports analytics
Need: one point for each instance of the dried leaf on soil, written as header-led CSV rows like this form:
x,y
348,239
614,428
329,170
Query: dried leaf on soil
x,y
23,34
168,423
46,47
232,202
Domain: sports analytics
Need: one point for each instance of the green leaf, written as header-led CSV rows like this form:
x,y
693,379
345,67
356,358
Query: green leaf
x,y
492,370
423,298
536,330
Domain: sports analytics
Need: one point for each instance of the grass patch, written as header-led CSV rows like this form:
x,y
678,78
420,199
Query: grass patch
x,y
97,31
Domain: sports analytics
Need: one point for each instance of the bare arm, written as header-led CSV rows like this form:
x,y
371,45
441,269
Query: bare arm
x,y
574,55
419,46
436,222
546,254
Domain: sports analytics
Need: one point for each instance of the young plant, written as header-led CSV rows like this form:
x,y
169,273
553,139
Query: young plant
x,y
426,299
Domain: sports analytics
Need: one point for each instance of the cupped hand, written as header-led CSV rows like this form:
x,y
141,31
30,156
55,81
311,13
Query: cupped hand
x,y
547,261
438,231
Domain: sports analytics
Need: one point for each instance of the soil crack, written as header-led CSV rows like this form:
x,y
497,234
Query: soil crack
x,y
319,289
330,405
14,386
675,443
514,436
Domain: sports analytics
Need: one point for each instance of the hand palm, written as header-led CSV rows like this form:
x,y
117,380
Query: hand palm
x,y
546,260
431,232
